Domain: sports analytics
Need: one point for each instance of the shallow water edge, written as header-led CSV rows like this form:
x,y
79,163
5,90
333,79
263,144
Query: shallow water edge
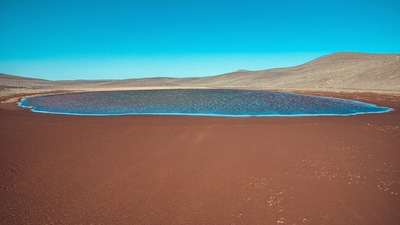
x,y
197,102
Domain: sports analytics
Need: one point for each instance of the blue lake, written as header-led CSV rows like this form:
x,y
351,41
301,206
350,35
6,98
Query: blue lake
x,y
213,102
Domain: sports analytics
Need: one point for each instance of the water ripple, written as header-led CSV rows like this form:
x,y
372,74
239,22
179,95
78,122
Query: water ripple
x,y
213,102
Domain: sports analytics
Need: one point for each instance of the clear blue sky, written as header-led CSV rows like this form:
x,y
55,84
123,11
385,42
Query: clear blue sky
x,y
76,39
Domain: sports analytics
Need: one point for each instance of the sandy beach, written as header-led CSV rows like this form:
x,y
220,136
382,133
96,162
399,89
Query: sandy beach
x,y
60,169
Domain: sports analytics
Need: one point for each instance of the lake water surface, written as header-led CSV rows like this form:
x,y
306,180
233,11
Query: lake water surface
x,y
213,102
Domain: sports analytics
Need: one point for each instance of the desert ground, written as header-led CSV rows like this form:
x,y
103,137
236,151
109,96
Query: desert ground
x,y
63,169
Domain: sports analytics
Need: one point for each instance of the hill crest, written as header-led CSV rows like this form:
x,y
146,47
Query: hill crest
x,y
341,71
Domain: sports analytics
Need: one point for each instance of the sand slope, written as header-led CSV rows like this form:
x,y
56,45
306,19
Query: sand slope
x,y
338,71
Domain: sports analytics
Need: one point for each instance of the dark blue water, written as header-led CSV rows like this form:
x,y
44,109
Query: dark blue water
x,y
216,102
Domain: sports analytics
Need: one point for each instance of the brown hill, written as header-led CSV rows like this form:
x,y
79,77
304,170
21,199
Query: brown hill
x,y
343,71
337,71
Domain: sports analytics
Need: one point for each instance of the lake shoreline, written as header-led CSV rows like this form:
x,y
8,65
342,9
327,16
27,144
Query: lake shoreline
x,y
197,102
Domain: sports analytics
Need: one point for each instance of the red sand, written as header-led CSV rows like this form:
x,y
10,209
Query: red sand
x,y
58,169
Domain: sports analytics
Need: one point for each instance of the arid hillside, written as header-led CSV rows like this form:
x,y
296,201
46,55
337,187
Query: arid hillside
x,y
343,71
337,71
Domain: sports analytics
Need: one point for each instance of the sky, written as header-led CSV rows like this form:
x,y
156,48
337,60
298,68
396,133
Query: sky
x,y
119,39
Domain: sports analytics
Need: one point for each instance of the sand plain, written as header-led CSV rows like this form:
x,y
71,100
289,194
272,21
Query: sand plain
x,y
60,169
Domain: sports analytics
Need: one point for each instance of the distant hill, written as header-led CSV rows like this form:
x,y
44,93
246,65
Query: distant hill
x,y
12,81
9,77
342,71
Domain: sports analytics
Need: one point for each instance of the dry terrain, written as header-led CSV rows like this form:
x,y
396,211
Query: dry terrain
x,y
344,71
62,169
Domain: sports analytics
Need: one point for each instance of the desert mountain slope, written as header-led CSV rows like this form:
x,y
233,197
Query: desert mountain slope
x,y
337,71
343,71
